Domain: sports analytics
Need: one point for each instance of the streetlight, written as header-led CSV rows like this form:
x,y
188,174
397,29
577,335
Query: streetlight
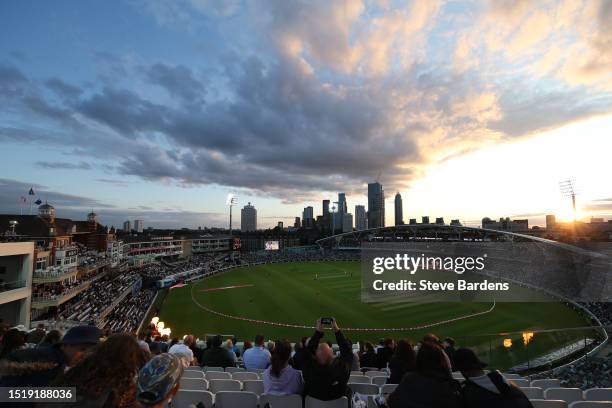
x,y
231,200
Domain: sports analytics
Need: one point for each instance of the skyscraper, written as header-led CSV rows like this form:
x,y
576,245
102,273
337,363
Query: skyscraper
x,y
139,225
361,221
342,208
308,217
376,205
127,226
399,212
248,218
325,207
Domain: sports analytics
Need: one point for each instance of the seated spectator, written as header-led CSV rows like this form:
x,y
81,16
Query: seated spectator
x,y
280,378
247,345
184,350
431,386
486,390
158,380
155,348
355,366
326,376
37,367
298,353
217,356
449,349
51,338
229,345
257,357
37,335
368,356
105,377
13,339
384,353
402,361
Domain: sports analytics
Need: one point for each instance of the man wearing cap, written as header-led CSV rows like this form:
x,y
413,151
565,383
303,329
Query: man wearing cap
x,y
37,367
486,389
158,380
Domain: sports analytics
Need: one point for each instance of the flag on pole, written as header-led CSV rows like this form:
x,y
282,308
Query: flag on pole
x,y
31,192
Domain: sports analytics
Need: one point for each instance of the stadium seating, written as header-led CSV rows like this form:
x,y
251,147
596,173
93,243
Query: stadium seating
x,y
254,386
281,401
316,403
375,374
566,394
458,376
546,383
380,381
511,376
356,373
243,376
207,369
218,375
184,398
193,368
387,389
366,389
194,384
193,374
540,403
232,399
533,392
216,386
523,383
598,394
362,379
234,369
591,404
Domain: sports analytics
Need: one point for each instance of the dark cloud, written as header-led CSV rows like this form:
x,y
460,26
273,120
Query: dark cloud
x,y
64,165
62,88
178,80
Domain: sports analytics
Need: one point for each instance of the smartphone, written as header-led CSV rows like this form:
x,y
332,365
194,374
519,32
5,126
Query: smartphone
x,y
327,320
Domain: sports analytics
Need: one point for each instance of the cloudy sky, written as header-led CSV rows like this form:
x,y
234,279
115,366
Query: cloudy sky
x,y
159,109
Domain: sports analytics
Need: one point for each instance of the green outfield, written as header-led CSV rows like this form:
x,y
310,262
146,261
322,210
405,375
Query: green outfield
x,y
290,294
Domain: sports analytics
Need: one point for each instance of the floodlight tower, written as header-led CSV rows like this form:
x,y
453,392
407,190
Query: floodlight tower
x,y
567,189
231,200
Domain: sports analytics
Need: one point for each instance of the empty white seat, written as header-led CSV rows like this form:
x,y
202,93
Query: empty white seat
x,y
218,375
375,374
356,373
192,374
224,385
317,403
591,404
512,376
184,398
242,376
234,369
213,369
256,370
598,394
234,399
533,392
380,381
566,394
361,379
387,389
540,403
546,383
281,401
254,386
369,369
521,382
366,389
193,368
199,384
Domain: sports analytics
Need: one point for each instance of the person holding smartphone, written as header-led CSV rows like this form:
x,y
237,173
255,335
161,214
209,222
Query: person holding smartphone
x,y
326,376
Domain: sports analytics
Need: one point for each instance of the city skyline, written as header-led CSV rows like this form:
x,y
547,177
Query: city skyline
x,y
468,109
